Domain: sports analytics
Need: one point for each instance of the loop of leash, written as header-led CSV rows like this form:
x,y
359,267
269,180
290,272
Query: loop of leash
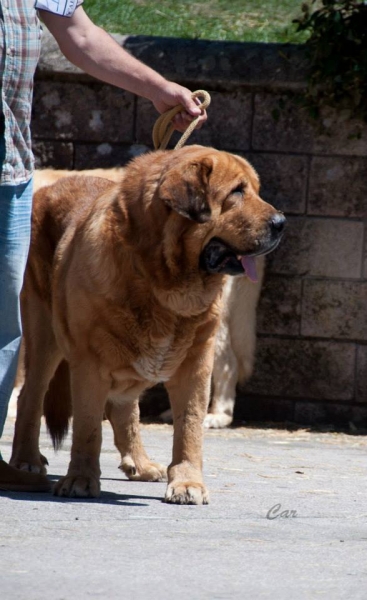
x,y
163,128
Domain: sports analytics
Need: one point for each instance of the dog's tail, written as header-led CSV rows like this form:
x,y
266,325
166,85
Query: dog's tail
x,y
57,406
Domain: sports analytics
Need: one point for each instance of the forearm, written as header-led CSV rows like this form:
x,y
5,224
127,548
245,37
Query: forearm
x,y
94,51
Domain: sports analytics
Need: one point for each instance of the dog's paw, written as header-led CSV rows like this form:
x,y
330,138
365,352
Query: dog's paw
x,y
145,471
217,420
73,486
187,492
32,465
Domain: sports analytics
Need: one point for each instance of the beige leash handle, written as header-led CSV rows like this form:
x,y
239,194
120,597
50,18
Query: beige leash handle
x,y
163,128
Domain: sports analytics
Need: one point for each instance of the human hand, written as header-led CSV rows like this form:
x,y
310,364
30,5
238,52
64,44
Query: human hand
x,y
171,94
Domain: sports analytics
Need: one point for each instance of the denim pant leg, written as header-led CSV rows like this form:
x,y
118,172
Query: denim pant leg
x,y
15,227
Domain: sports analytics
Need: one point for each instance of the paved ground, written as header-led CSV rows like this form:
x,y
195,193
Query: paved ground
x,y
128,544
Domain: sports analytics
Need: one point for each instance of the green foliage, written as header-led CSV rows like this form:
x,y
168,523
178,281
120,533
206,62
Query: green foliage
x,y
337,48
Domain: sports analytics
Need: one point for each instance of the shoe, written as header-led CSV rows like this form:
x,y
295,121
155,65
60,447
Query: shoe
x,y
14,480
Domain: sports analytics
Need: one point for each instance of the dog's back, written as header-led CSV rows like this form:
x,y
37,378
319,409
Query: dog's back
x,y
45,177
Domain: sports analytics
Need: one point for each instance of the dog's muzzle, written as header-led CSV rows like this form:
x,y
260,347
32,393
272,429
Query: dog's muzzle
x,y
219,256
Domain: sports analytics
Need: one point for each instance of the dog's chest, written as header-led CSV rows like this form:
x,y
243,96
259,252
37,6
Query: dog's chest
x,y
159,359
147,348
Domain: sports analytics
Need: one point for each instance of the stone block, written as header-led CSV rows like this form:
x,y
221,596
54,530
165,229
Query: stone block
x,y
82,112
335,309
279,127
93,156
56,155
258,408
146,116
338,187
320,370
229,123
225,64
283,125
324,414
359,418
279,310
336,132
362,374
319,248
283,180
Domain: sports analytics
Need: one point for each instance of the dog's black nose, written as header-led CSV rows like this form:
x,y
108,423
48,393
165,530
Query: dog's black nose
x,y
277,223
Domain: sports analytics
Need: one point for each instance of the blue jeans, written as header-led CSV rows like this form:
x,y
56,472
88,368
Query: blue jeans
x,y
15,228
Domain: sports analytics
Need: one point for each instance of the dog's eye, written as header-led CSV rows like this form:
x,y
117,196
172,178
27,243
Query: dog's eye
x,y
239,189
235,198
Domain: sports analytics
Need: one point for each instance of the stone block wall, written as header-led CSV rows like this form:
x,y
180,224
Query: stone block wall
x,y
311,363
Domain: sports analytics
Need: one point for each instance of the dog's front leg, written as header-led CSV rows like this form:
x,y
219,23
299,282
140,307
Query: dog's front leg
x,y
189,392
89,392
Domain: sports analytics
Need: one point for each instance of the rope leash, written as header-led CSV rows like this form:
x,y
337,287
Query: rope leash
x,y
163,128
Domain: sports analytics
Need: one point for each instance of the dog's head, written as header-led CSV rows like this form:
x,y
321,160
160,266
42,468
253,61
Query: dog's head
x,y
216,197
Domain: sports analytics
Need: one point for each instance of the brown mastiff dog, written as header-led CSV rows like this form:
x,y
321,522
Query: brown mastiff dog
x,y
124,281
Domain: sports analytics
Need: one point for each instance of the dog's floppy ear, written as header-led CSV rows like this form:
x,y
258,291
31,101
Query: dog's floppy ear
x,y
185,190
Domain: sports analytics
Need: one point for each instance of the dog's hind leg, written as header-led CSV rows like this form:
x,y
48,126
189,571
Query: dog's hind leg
x,y
135,463
41,360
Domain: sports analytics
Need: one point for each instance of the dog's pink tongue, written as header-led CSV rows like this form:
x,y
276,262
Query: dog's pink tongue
x,y
249,265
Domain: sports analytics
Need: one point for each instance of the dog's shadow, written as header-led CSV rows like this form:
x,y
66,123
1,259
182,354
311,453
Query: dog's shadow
x,y
111,498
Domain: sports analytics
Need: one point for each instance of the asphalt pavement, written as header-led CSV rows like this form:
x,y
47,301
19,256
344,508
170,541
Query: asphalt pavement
x,y
287,519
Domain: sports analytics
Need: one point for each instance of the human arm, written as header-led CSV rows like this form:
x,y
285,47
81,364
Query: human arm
x,y
94,51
